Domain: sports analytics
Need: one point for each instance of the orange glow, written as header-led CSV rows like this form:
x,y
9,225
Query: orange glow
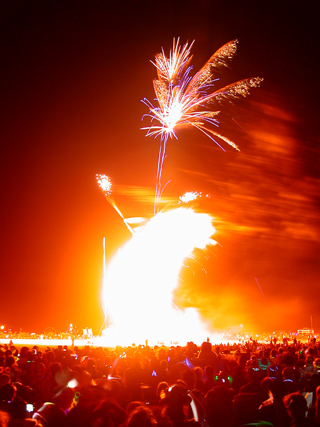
x,y
142,276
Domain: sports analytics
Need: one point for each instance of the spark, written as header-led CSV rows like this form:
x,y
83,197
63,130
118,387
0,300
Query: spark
x,y
189,196
185,101
104,183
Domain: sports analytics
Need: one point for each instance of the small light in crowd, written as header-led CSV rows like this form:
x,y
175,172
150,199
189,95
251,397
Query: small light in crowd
x,y
73,383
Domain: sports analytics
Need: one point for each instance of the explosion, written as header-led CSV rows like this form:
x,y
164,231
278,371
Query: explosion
x,y
141,278
185,101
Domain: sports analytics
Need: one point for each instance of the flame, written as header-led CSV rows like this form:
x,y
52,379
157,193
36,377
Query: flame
x,y
141,277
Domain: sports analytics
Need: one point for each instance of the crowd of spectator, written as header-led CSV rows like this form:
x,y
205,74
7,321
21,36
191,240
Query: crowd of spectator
x,y
140,386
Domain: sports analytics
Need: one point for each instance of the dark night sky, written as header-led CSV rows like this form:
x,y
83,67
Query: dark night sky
x,y
73,76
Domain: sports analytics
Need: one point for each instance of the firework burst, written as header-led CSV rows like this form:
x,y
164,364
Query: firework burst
x,y
105,185
185,101
190,196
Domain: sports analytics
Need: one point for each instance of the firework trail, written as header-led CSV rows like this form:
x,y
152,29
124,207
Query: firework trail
x,y
106,187
260,288
185,101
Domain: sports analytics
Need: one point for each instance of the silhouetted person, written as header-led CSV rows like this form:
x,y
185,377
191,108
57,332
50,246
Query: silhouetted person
x,y
218,402
175,402
209,382
288,385
207,356
253,386
240,375
297,407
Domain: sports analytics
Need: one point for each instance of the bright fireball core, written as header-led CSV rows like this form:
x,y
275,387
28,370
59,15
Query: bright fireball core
x,y
141,277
